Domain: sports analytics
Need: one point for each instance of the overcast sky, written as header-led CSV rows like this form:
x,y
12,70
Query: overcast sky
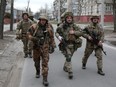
x,y
35,5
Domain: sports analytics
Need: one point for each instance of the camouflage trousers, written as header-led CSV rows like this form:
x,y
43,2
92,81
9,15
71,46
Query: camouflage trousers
x,y
68,53
30,46
25,45
41,54
98,54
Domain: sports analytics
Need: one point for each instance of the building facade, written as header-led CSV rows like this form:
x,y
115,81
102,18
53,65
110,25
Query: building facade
x,y
83,9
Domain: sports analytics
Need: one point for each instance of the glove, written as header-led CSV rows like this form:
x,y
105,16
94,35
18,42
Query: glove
x,y
60,38
51,49
17,37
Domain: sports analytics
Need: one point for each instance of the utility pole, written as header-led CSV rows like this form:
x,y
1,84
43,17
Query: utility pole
x,y
114,14
69,5
102,12
58,11
2,11
12,15
28,6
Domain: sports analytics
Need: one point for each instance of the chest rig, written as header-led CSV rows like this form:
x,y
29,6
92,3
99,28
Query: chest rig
x,y
42,35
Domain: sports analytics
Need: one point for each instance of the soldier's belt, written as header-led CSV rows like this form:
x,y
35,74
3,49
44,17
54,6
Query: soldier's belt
x,y
70,42
24,33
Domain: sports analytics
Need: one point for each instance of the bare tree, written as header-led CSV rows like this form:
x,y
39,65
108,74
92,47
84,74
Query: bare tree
x,y
81,5
114,14
2,11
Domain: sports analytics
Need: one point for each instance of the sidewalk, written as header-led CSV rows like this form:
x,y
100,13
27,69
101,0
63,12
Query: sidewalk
x,y
10,55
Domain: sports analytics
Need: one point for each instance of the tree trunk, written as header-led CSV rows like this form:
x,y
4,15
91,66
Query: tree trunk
x,y
2,11
114,14
12,15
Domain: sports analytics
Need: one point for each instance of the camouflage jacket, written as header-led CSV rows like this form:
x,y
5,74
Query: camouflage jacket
x,y
42,36
63,31
24,26
96,31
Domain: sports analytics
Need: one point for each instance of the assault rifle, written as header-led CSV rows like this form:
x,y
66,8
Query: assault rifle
x,y
95,39
62,45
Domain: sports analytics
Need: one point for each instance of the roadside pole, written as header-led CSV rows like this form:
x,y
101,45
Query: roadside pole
x,y
102,12
58,11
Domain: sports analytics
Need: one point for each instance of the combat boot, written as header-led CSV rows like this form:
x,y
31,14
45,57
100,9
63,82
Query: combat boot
x,y
83,66
45,82
101,72
37,75
25,56
70,75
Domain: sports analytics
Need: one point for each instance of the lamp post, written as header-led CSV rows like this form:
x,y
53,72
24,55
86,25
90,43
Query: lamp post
x,y
102,12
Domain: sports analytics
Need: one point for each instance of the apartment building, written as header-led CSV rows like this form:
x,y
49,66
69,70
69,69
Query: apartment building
x,y
83,9
92,7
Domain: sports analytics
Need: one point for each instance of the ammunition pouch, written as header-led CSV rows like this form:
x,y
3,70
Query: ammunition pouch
x,y
60,46
40,41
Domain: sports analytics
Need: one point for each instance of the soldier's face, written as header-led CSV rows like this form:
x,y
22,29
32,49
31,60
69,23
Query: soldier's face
x,y
69,19
95,20
25,17
43,21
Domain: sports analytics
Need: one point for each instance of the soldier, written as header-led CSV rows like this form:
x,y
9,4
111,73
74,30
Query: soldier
x,y
21,32
43,38
69,36
30,43
94,33
31,17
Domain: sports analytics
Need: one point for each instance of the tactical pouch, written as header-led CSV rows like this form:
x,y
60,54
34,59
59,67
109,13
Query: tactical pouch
x,y
60,46
40,41
78,43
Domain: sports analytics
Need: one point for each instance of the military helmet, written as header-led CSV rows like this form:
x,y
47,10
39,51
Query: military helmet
x,y
43,17
25,13
94,17
68,14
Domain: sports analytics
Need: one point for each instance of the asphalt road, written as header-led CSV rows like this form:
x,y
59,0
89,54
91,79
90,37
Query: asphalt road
x,y
82,78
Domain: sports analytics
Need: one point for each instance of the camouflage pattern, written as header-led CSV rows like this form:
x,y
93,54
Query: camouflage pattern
x,y
90,47
23,26
73,41
94,16
42,40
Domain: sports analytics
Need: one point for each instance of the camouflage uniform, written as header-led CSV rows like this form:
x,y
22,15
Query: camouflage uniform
x,y
72,41
43,39
97,29
30,43
23,26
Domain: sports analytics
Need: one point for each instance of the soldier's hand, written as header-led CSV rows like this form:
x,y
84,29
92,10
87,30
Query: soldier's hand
x,y
30,37
100,43
51,49
17,37
60,38
71,32
89,38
